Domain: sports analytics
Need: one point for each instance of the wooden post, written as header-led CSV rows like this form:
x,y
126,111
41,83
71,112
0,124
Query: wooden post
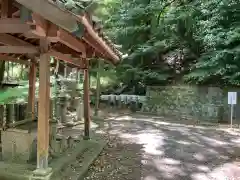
x,y
98,90
5,13
31,90
86,101
65,70
43,106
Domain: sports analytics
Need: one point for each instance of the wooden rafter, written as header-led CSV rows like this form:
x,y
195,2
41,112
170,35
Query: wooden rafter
x,y
14,25
16,14
67,58
69,22
12,59
54,33
88,39
18,50
70,41
52,13
10,40
98,40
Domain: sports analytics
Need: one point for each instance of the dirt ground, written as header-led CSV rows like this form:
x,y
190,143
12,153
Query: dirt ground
x,y
149,148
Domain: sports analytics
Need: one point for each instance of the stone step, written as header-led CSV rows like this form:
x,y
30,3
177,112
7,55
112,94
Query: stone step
x,y
13,171
77,169
85,152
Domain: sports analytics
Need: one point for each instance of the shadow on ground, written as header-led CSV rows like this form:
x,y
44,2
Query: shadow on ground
x,y
158,150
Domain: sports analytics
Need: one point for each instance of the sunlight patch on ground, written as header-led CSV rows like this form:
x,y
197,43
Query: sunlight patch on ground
x,y
237,141
150,178
203,168
170,161
151,142
169,168
199,176
211,151
199,157
124,118
227,171
234,132
184,142
161,122
100,132
214,142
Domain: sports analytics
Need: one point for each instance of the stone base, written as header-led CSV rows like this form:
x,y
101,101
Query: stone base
x,y
80,112
13,171
42,174
61,166
18,145
86,138
92,149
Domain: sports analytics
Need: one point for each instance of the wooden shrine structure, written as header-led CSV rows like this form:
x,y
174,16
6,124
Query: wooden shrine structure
x,y
33,30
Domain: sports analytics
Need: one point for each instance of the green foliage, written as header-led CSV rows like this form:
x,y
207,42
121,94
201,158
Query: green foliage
x,y
14,94
170,40
220,33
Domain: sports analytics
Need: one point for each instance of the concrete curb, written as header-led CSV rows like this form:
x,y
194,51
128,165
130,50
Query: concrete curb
x,y
89,157
92,158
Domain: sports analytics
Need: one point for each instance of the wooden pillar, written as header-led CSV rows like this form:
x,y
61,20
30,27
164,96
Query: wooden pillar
x,y
5,13
98,90
5,8
31,90
43,106
86,101
65,70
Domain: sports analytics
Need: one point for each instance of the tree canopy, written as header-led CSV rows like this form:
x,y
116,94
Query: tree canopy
x,y
171,41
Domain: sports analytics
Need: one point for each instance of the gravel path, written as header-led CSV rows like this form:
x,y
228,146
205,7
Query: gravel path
x,y
146,148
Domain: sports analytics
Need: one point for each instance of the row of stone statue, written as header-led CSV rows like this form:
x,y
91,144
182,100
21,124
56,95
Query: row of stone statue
x,y
17,111
12,112
123,98
123,101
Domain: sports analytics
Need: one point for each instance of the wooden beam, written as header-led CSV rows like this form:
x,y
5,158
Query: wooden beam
x,y
52,13
112,55
16,14
67,58
71,41
44,28
31,35
18,50
12,59
10,40
31,91
14,25
89,40
43,106
41,25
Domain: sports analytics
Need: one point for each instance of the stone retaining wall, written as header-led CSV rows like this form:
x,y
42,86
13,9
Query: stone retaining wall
x,y
188,102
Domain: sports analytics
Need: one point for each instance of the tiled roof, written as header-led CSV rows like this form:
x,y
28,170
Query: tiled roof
x,y
86,6
76,6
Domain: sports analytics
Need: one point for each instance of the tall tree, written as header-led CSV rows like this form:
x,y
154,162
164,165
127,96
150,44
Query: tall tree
x,y
175,40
